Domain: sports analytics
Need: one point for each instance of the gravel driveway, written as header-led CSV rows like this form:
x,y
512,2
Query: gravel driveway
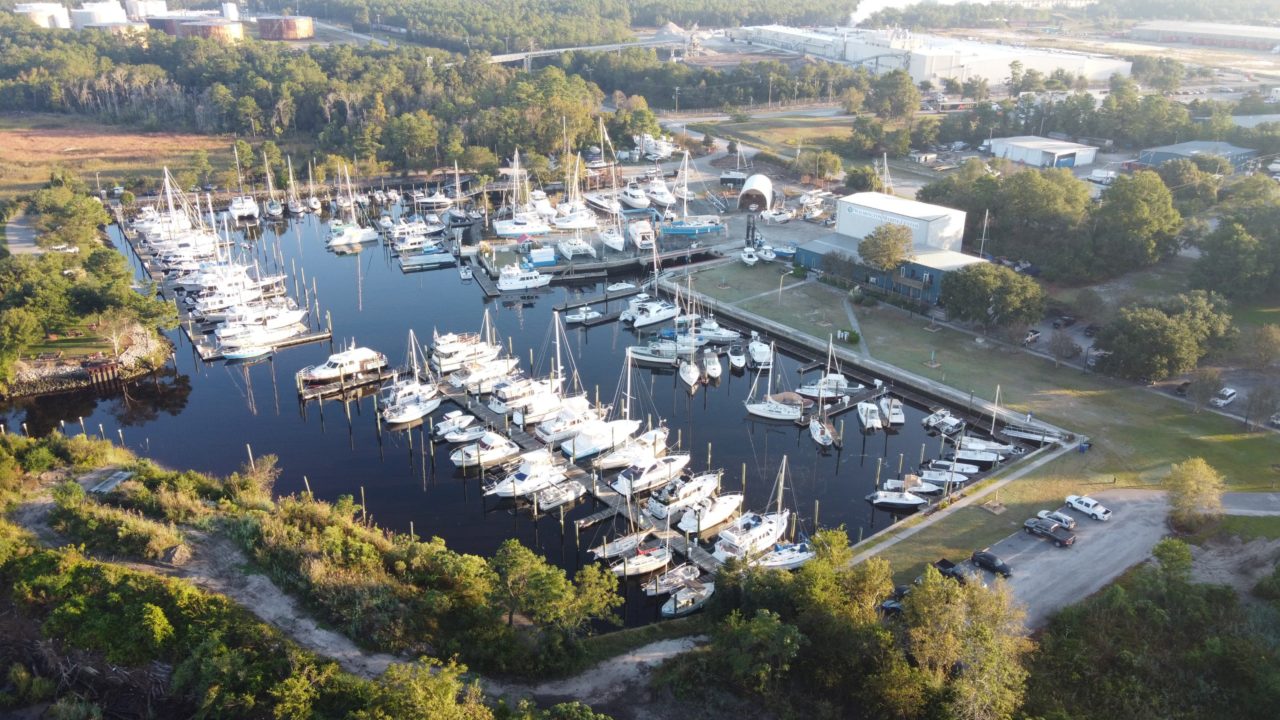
x,y
1046,578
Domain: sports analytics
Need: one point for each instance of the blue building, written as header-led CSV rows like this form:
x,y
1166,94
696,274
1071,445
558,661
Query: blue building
x,y
936,235
1157,156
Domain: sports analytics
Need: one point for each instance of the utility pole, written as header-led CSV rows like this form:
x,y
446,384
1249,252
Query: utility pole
x,y
677,96
770,103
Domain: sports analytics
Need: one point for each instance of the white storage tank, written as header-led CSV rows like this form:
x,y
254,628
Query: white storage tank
x,y
143,9
230,11
98,13
44,14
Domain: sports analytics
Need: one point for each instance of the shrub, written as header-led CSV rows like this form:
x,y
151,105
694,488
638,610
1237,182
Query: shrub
x,y
1268,588
108,528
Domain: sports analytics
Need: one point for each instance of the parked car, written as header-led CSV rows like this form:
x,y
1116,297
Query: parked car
x,y
1225,397
1064,321
1092,329
1275,420
1183,388
990,561
1059,517
1089,506
951,570
1032,336
1054,532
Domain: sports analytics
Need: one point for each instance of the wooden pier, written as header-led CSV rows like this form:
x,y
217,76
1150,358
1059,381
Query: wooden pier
x,y
484,280
603,319
595,299
613,503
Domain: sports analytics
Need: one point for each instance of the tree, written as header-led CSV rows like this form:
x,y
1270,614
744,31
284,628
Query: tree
x,y
1174,557
1135,224
1205,383
1261,346
248,159
894,96
822,164
248,115
1089,304
1145,342
526,583
274,158
200,165
976,88
993,296
1234,262
426,689
1014,81
1262,402
1195,493
1062,346
886,248
408,137
757,652
863,178
951,86
479,159
851,100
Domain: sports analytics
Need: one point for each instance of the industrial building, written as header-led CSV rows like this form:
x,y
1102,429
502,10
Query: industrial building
x,y
1040,152
1157,156
44,14
927,57
1251,37
936,232
293,27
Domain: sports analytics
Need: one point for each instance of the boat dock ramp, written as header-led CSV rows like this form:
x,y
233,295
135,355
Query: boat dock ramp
x,y
578,302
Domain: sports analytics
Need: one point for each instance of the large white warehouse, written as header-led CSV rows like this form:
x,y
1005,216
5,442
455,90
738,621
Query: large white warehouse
x,y
1041,152
932,226
928,57
44,14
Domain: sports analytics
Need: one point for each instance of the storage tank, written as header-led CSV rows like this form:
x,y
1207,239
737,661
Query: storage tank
x,y
230,11
293,27
220,29
143,9
167,24
44,14
98,13
124,29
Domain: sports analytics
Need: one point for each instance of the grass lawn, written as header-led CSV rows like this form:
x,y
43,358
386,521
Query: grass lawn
x,y
72,348
1264,311
1136,433
783,135
1245,527
607,645
733,282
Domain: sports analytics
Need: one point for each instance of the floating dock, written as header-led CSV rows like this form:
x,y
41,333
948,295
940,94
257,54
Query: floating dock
x,y
596,299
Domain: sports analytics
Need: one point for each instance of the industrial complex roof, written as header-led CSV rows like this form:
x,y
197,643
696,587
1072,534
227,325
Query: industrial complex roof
x,y
1200,147
899,205
1042,143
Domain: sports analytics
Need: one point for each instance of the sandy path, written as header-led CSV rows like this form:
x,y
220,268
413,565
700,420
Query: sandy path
x,y
217,565
604,683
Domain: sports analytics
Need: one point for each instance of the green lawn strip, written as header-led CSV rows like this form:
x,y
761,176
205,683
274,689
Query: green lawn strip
x,y
1250,527
810,308
607,645
733,281
72,347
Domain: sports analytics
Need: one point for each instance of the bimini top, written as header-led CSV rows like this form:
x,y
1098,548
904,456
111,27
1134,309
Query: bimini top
x,y
758,191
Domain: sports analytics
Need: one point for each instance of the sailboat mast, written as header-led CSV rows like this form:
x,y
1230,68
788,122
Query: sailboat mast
x,y
782,482
239,178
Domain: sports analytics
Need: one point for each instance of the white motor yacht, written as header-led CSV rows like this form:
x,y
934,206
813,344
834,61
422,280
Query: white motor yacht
x,y
831,386
653,474
514,277
751,535
641,234
788,556
684,492
453,420
760,353
537,470
490,449
636,451
353,363
600,436
567,421
869,416
563,493
710,512
633,196
896,501
891,411
659,194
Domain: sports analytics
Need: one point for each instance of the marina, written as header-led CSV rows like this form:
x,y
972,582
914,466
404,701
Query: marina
x,y
403,473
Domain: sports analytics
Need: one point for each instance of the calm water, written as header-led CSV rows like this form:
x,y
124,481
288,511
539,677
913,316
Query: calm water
x,y
202,416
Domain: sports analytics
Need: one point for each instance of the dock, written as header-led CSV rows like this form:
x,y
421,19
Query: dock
x,y
596,299
603,319
613,503
484,280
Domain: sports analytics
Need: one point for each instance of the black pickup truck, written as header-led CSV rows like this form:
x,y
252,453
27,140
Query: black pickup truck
x,y
951,570
1060,536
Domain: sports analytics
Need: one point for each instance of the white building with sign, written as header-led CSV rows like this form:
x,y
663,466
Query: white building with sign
x,y
932,226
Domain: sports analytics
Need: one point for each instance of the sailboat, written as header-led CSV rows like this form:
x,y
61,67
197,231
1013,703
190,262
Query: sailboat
x,y
408,398
753,533
820,428
572,213
688,599
294,204
603,435
833,384
688,224
313,202
242,207
274,208
347,234
775,406
525,219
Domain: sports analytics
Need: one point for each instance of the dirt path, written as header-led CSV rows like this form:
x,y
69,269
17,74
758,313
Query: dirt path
x,y
217,565
607,683
1235,563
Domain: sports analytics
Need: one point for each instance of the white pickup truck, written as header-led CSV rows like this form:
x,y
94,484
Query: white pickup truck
x,y
1088,506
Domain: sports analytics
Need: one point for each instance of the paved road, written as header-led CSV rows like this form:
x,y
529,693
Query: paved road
x,y
20,237
1243,503
1047,578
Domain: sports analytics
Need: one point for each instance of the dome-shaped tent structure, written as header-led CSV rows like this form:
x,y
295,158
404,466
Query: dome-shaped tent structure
x,y
757,191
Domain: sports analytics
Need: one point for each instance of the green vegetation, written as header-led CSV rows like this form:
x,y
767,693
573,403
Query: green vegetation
x,y
1195,492
886,248
47,294
640,71
1155,342
1155,645
813,643
110,529
1046,216
992,296
1241,259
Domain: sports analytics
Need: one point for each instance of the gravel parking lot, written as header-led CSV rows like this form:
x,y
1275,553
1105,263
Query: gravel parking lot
x,y
1046,578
